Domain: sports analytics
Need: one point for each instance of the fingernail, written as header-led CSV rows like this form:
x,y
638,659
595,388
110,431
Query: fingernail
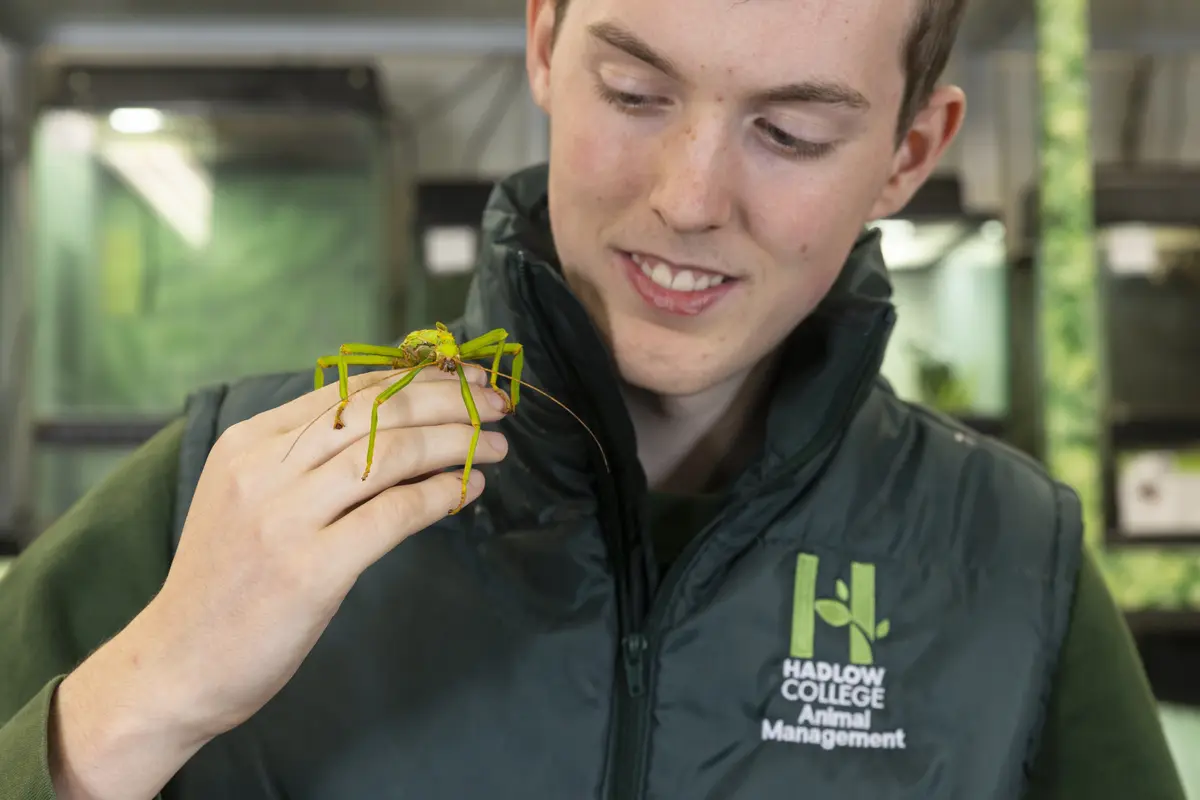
x,y
496,401
497,442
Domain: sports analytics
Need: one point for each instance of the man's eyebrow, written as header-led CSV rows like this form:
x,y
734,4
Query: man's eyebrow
x,y
612,34
813,92
819,92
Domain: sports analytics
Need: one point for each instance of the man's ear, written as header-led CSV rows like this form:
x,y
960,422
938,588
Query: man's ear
x,y
539,44
918,154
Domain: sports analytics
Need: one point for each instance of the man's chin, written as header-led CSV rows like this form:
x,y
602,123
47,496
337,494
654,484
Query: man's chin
x,y
663,380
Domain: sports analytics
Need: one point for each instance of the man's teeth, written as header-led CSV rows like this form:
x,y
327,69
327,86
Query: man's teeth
x,y
679,280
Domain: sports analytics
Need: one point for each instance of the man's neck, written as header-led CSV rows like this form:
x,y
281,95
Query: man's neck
x,y
699,443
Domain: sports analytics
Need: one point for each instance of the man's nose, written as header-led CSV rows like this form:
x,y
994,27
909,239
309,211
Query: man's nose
x,y
692,192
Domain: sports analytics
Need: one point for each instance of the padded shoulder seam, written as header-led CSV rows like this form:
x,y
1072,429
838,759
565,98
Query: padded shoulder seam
x,y
1047,498
995,447
202,411
1068,557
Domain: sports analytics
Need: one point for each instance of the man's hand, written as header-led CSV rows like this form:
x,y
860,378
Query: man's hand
x,y
270,548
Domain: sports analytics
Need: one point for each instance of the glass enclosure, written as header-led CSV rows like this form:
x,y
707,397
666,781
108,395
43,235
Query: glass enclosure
x,y
178,249
1152,304
950,347
1153,319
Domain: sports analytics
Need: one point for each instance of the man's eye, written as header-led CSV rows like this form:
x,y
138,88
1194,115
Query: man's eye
x,y
790,145
625,100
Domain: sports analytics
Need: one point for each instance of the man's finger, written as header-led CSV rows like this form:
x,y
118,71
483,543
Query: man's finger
x,y
368,532
304,409
416,405
400,455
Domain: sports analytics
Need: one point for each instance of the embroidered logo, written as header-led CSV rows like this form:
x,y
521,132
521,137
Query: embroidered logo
x,y
836,700
854,608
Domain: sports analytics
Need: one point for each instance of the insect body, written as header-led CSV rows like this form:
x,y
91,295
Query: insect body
x,y
438,348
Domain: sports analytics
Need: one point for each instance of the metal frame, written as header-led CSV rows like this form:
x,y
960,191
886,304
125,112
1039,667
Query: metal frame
x,y
1159,41
15,324
1162,195
93,85
130,432
307,38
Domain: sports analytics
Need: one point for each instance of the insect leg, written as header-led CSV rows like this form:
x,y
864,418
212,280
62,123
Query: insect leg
x,y
493,344
473,412
383,396
342,361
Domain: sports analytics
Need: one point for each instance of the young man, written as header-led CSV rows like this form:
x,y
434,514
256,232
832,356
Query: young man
x,y
782,579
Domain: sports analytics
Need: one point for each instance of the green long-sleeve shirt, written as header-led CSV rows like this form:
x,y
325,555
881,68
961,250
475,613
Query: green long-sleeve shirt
x,y
83,580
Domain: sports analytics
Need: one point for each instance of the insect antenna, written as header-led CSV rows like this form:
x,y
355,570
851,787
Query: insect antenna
x,y
336,403
552,399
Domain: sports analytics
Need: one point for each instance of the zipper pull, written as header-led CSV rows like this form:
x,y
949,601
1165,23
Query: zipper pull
x,y
634,646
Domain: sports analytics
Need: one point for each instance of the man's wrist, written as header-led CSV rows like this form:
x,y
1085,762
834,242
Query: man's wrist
x,y
115,730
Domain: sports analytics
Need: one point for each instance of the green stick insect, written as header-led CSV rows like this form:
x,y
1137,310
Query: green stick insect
x,y
435,348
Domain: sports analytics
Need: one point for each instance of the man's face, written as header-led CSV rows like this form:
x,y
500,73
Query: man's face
x,y
712,163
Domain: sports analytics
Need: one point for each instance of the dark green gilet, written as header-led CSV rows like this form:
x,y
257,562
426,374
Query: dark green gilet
x,y
875,612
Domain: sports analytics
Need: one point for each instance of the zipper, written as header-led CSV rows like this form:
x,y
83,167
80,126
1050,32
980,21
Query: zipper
x,y
634,646
629,706
640,645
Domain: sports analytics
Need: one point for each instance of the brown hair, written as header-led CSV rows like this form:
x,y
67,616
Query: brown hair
x,y
927,48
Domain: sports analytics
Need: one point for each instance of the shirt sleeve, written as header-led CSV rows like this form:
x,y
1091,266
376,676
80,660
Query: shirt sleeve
x,y
1103,738
78,584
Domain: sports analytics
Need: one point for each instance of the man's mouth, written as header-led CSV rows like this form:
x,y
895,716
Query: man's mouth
x,y
677,278
675,289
